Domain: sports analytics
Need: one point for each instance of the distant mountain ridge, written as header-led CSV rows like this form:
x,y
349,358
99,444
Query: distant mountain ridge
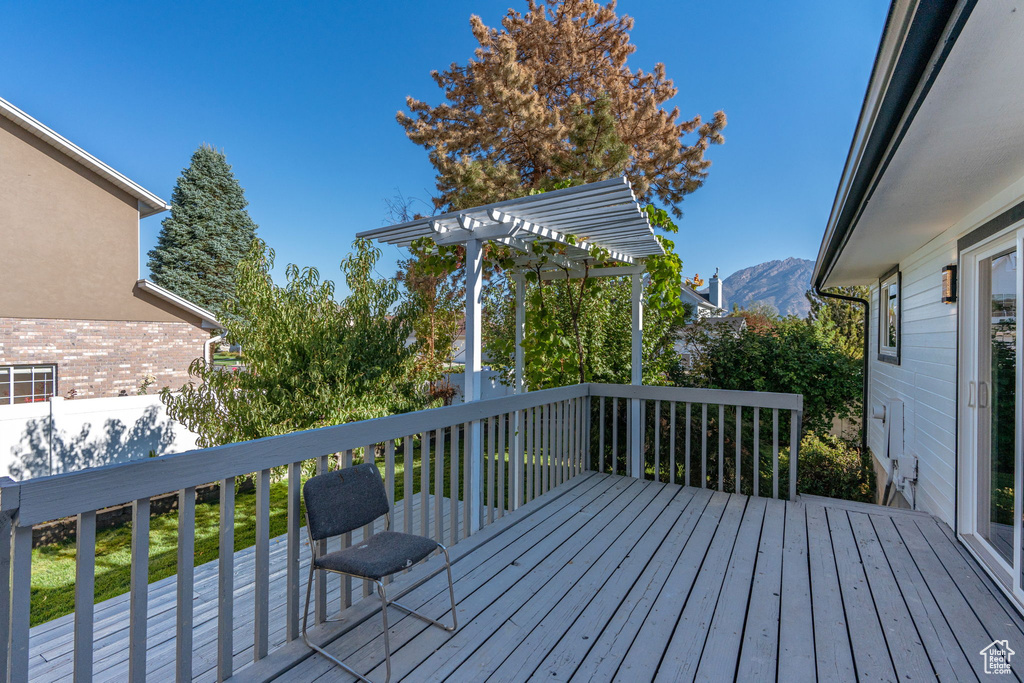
x,y
779,283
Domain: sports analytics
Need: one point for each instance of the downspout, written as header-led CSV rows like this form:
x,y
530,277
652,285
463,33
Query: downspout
x,y
867,326
208,347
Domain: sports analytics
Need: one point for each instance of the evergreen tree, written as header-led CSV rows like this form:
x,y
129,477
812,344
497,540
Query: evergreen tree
x,y
206,235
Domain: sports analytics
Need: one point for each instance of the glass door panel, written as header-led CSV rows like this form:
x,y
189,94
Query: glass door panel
x,y
997,401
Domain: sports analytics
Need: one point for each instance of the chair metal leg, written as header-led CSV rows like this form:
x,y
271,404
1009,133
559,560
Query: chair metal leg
x,y
451,594
387,637
305,636
384,603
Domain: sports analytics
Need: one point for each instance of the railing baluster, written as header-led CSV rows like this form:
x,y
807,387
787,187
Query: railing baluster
x,y
369,456
500,462
425,484
469,507
538,451
408,465
346,541
139,591
757,452
389,487
225,582
85,592
588,412
517,485
739,436
21,608
600,436
439,486
320,587
703,445
529,492
580,433
775,452
491,462
672,441
796,417
657,441
721,446
293,540
615,436
185,581
642,457
453,505
686,454
261,587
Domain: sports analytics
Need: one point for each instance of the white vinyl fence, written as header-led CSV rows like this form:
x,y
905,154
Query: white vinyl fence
x,y
55,436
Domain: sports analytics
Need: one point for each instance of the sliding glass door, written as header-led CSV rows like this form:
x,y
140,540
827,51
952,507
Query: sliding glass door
x,y
990,382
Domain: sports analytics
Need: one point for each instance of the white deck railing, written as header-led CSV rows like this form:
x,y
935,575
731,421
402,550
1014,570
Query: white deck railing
x,y
530,443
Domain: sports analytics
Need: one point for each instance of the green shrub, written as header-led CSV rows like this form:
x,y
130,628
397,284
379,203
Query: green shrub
x,y
833,467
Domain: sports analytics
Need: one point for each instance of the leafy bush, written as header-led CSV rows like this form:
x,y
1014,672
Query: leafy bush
x,y
833,467
787,355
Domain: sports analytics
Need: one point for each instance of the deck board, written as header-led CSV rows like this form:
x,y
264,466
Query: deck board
x,y
608,578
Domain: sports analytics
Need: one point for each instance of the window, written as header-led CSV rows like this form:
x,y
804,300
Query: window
x,y
27,383
889,317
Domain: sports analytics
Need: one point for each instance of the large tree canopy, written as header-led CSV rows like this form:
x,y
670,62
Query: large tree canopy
x,y
521,115
207,234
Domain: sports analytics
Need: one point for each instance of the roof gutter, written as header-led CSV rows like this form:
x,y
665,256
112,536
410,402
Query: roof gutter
x,y
928,40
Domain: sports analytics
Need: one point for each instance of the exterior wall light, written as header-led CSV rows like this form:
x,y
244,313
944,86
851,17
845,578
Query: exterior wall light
x,y
949,284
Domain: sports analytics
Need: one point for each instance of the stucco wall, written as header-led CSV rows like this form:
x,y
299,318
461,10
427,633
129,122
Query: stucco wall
x,y
69,239
100,358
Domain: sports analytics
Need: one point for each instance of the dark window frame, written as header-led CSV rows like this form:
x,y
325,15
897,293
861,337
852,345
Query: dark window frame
x,y
883,308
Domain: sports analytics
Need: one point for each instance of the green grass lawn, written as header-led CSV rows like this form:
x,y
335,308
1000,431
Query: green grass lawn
x,y
53,566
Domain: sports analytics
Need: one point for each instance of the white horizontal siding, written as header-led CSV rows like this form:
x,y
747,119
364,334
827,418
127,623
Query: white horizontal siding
x,y
925,379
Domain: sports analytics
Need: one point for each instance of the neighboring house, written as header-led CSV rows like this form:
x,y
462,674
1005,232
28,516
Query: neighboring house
x,y
930,214
74,315
710,304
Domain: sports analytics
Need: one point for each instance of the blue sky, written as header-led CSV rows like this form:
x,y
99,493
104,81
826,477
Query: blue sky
x,y
302,98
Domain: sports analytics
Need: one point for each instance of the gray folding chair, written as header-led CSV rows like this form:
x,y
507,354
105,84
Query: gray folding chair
x,y
343,500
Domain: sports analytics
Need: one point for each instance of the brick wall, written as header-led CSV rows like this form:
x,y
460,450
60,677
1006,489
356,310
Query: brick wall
x,y
102,357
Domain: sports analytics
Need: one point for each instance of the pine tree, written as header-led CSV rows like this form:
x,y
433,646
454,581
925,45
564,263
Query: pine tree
x,y
206,235
548,87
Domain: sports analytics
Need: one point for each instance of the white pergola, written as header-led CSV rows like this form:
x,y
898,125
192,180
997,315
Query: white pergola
x,y
603,215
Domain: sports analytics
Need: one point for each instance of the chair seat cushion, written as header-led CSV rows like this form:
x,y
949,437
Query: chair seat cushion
x,y
382,554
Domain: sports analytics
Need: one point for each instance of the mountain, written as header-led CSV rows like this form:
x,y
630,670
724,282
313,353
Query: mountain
x,y
779,283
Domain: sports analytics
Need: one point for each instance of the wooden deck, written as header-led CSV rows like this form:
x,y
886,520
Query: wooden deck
x,y
610,578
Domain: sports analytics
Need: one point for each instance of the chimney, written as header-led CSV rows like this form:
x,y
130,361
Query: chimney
x,y
715,290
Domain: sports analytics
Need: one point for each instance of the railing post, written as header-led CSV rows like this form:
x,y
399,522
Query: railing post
x,y
9,502
474,437
636,430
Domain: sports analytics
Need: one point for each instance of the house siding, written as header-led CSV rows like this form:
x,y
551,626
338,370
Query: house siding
x,y
101,358
925,379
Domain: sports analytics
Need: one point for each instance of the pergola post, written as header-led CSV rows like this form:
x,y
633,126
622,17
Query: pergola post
x,y
516,455
520,282
636,436
474,440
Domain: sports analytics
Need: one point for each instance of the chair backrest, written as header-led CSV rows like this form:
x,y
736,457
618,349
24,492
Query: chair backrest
x,y
338,502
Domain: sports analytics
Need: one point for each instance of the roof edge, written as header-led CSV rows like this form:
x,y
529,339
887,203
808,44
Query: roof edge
x,y
917,37
149,203
209,320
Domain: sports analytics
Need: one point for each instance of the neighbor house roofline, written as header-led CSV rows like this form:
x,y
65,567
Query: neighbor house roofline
x,y
210,322
917,37
149,203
